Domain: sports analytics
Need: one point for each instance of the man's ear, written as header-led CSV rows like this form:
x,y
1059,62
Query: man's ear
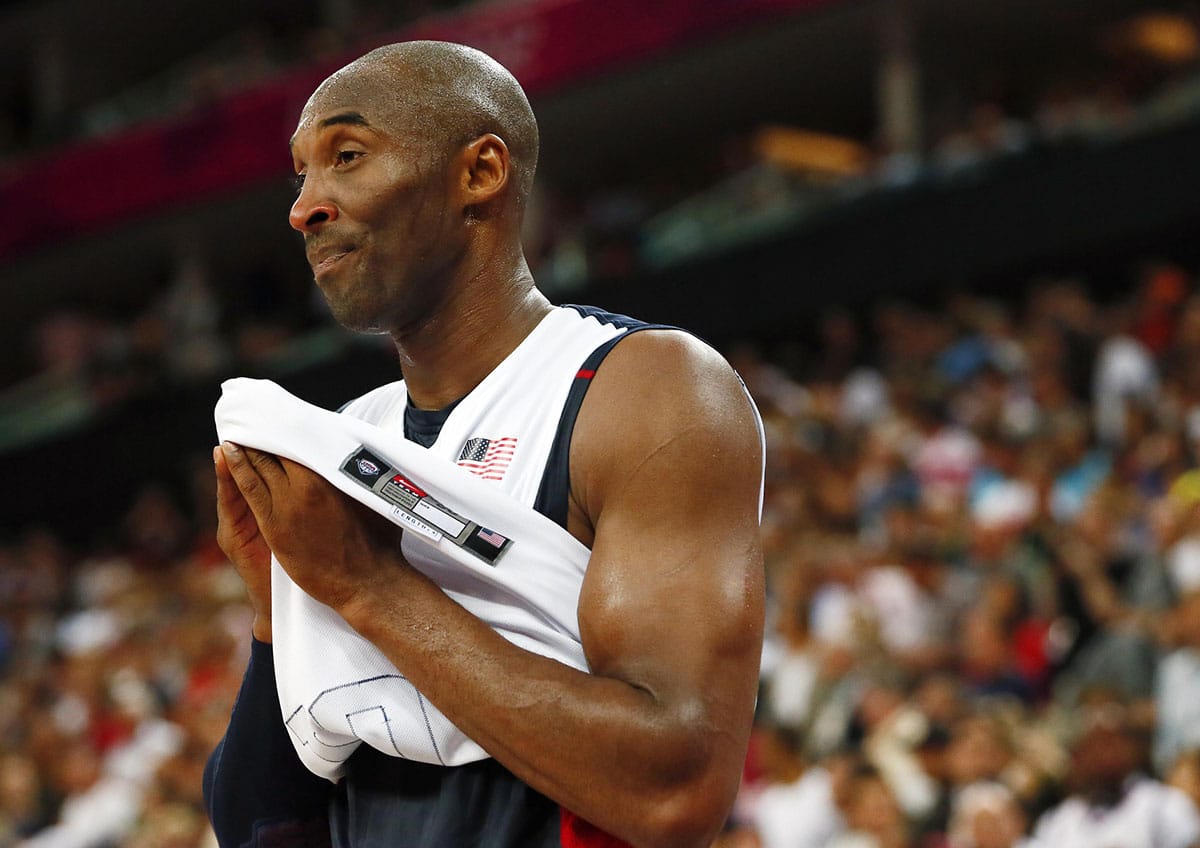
x,y
486,171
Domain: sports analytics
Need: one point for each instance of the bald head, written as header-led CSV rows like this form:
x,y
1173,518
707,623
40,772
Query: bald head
x,y
445,95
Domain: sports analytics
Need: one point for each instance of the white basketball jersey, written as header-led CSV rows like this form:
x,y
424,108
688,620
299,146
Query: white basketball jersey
x,y
504,429
473,524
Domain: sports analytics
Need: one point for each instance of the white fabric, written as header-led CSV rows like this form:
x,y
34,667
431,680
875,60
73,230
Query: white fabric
x,y
337,689
835,615
1004,503
1183,564
96,818
1125,371
791,685
802,814
890,748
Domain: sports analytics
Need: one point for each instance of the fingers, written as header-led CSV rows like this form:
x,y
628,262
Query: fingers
x,y
230,503
226,488
233,511
268,465
253,472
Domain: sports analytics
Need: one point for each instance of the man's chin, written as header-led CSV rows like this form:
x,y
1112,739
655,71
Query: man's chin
x,y
354,317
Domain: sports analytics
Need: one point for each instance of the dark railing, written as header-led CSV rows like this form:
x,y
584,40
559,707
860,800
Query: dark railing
x,y
1081,208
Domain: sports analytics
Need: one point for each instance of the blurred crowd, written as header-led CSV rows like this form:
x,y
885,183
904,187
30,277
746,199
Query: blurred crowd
x,y
80,362
747,187
983,544
190,330
118,667
982,535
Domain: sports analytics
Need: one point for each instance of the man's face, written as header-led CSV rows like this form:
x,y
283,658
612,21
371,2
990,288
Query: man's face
x,y
1102,760
373,207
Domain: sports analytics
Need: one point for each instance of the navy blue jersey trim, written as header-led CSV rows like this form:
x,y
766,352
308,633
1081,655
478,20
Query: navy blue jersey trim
x,y
615,319
554,490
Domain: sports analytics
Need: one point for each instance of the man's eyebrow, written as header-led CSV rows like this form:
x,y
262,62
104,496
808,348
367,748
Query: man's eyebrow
x,y
345,118
352,118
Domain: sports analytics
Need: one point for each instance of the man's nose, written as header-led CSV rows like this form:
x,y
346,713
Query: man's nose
x,y
309,213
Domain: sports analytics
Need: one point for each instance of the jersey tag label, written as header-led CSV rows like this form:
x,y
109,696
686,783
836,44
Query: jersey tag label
x,y
417,510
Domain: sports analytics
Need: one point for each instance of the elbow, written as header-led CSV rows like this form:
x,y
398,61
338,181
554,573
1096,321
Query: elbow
x,y
685,822
690,779
698,791
690,813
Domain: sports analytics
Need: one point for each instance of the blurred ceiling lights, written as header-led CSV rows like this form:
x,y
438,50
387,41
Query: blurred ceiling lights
x,y
1163,36
811,153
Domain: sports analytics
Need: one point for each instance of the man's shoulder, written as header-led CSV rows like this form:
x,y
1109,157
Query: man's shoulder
x,y
664,384
673,359
586,341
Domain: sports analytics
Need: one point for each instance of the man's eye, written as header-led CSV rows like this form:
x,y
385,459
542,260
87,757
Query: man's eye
x,y
345,157
298,182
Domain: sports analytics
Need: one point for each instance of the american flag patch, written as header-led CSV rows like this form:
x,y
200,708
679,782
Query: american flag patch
x,y
488,544
491,537
488,458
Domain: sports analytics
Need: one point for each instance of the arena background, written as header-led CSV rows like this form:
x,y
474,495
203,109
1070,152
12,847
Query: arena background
x,y
776,175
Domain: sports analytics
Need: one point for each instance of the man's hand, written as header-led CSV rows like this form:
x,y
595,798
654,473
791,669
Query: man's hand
x,y
239,537
330,545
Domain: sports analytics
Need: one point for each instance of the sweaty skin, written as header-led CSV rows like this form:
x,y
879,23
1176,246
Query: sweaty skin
x,y
422,240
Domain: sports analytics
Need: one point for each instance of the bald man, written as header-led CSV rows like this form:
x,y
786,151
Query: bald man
x,y
415,165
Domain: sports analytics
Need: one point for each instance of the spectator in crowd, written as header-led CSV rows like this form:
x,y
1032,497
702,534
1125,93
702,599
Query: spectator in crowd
x,y
795,805
1113,800
873,815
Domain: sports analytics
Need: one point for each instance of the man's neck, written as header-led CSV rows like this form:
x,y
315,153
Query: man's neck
x,y
473,333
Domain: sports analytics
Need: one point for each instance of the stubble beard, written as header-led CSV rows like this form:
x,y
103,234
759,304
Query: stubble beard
x,y
350,303
370,307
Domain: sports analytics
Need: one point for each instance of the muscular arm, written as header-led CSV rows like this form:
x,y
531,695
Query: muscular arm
x,y
665,478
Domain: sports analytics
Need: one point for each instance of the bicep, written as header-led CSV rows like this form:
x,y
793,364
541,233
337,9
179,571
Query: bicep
x,y
670,471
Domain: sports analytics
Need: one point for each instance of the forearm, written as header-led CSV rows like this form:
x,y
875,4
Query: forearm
x,y
642,763
253,781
